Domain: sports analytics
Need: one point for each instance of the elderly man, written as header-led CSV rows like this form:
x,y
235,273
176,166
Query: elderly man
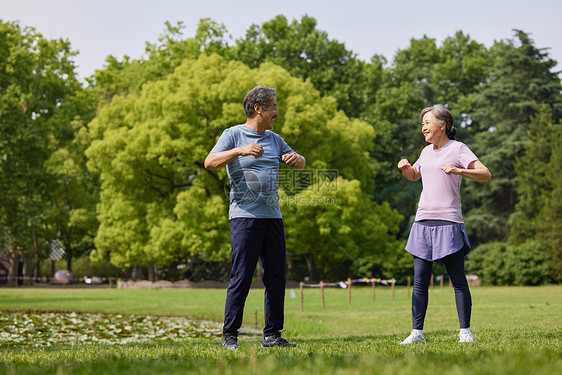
x,y
251,153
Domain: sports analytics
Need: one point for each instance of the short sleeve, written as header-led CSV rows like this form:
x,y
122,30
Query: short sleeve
x,y
417,165
225,142
285,149
466,156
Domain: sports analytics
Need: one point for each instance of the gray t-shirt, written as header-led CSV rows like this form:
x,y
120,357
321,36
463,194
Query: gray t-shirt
x,y
253,182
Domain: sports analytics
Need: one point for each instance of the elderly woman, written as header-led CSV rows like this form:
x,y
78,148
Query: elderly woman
x,y
438,233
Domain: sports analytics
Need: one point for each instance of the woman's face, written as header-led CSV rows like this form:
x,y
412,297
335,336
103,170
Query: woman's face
x,y
431,129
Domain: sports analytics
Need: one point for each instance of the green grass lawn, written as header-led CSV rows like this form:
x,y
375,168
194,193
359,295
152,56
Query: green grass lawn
x,y
518,330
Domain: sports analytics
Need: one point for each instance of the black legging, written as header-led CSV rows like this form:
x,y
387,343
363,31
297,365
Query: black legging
x,y
454,265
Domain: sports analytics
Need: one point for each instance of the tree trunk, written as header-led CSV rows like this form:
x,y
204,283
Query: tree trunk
x,y
289,267
69,261
310,266
28,269
68,254
37,268
151,273
13,272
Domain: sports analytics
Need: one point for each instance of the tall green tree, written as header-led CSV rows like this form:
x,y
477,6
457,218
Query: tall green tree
x,y
38,82
538,214
520,80
551,217
74,191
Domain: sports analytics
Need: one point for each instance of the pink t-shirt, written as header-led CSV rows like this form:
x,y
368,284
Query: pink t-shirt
x,y
441,196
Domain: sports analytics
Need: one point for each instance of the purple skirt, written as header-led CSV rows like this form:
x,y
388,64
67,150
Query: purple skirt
x,y
436,242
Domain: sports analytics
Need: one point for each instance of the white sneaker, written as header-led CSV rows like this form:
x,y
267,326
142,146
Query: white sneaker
x,y
466,336
414,337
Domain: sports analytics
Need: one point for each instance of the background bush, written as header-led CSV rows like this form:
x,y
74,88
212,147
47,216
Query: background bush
x,y
502,263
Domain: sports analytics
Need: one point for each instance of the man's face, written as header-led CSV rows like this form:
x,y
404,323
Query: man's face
x,y
268,115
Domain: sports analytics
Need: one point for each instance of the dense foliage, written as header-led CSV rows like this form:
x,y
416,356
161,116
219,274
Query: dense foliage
x,y
45,189
115,168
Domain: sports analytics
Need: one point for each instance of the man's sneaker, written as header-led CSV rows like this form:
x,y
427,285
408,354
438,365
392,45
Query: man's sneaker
x,y
276,340
415,336
230,341
466,336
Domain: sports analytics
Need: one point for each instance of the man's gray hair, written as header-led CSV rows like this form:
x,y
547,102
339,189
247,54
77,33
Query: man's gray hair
x,y
443,116
261,95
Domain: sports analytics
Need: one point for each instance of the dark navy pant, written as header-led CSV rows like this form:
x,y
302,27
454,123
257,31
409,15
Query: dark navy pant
x,y
250,240
454,265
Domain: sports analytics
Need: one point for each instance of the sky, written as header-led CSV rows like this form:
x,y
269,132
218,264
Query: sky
x,y
98,28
